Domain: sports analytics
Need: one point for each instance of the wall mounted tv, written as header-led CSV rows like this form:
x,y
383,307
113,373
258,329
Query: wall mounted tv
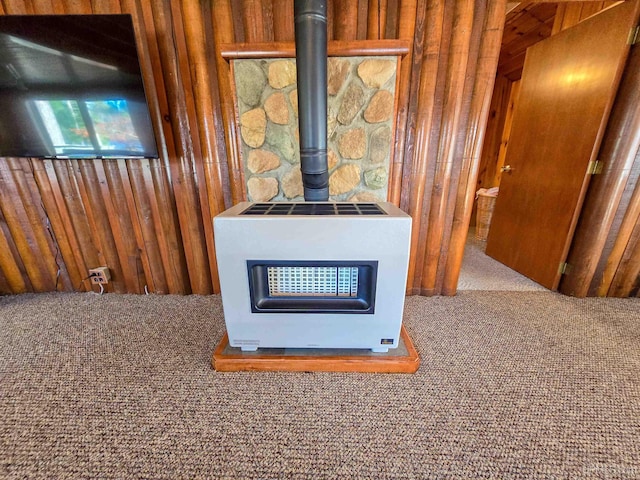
x,y
70,87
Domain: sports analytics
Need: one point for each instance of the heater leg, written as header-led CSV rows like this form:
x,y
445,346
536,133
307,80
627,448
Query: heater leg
x,y
380,350
249,349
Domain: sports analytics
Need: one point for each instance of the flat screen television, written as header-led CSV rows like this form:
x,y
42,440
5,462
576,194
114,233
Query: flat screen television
x,y
71,87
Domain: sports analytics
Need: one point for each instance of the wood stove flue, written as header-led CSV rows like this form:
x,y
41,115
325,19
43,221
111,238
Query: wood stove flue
x,y
311,63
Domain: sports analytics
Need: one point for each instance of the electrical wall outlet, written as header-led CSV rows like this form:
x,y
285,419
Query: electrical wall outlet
x,y
100,275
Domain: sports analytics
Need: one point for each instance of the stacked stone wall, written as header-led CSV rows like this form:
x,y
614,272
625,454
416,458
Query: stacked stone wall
x,y
361,92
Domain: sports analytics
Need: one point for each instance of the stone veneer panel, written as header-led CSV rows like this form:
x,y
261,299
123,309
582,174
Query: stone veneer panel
x,y
359,125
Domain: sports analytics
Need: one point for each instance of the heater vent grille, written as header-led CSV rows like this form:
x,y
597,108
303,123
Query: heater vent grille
x,y
311,208
313,281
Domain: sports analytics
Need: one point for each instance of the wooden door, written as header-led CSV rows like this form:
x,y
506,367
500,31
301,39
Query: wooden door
x,y
567,89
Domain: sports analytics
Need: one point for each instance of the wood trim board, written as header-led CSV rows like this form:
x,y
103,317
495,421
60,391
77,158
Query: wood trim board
x,y
354,48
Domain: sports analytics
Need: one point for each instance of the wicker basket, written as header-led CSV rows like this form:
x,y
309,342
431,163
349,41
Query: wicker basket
x,y
483,215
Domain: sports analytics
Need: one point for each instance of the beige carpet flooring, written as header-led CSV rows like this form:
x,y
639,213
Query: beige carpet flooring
x,y
481,272
513,385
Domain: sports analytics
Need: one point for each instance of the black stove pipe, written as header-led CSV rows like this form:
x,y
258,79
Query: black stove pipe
x,y
311,63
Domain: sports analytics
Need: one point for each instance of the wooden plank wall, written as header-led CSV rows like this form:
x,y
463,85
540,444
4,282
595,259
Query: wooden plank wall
x,y
571,13
447,119
494,136
526,24
149,221
500,106
605,254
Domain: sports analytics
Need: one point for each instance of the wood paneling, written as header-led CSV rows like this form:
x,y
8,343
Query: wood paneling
x,y
609,217
494,134
377,19
525,25
80,214
149,220
26,225
514,94
345,20
488,38
494,150
447,159
406,31
417,181
283,30
572,13
626,273
223,31
447,125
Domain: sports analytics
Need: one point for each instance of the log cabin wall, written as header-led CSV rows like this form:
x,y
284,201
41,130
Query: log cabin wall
x,y
604,258
149,221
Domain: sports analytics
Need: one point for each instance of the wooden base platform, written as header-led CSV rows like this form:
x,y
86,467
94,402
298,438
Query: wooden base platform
x,y
403,359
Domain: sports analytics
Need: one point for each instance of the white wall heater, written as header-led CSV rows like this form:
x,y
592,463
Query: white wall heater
x,y
313,275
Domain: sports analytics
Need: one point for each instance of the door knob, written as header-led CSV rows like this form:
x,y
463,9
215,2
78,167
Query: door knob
x,y
506,168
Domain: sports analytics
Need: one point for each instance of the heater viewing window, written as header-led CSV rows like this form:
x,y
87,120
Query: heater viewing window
x,y
313,287
316,281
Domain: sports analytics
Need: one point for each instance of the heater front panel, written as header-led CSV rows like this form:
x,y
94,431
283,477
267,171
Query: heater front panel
x,y
312,286
301,293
